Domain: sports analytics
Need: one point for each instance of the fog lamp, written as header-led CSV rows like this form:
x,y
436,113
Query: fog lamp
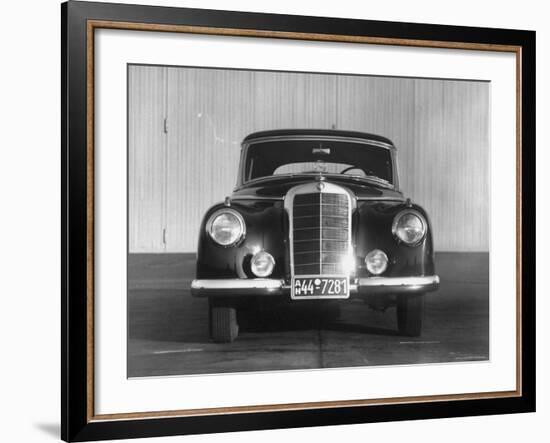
x,y
376,261
262,264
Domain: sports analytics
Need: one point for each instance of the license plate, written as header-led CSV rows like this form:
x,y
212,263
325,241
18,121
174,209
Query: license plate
x,y
320,286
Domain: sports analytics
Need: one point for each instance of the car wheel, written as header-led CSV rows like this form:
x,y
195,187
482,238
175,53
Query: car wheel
x,y
410,311
223,324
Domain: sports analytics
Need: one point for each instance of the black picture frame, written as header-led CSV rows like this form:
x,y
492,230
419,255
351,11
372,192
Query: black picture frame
x,y
77,424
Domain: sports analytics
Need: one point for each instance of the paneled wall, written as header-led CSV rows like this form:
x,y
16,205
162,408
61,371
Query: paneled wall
x,y
186,125
146,159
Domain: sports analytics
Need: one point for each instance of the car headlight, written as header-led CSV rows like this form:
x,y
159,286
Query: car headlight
x,y
226,227
262,264
410,227
376,261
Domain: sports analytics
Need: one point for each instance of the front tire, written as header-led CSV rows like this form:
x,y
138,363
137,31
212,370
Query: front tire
x,y
223,324
410,312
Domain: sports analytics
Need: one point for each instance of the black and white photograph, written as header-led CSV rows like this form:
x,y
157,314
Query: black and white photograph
x,y
266,222
284,220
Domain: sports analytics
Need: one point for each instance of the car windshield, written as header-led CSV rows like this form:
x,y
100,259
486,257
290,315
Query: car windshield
x,y
276,158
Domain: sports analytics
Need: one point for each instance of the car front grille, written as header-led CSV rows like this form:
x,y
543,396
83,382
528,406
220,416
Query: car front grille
x,y
320,226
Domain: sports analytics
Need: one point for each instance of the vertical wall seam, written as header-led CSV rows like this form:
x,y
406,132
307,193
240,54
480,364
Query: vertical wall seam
x,y
166,148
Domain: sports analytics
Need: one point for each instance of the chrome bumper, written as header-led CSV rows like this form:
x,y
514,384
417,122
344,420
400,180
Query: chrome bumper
x,y
268,286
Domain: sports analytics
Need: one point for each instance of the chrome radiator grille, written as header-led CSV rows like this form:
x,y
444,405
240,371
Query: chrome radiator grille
x,y
320,232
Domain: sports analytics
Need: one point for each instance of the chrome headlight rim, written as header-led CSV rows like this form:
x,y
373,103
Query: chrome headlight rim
x,y
239,218
397,219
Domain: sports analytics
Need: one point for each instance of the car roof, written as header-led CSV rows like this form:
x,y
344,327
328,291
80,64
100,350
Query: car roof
x,y
289,133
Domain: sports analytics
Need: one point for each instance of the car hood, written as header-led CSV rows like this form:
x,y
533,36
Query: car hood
x,y
277,189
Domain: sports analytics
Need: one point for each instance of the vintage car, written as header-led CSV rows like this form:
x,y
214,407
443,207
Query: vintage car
x,y
316,215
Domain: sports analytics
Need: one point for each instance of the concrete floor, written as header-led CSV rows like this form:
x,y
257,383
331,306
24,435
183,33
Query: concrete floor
x,y
168,329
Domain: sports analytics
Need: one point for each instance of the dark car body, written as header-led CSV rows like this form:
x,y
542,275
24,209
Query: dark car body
x,y
363,209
